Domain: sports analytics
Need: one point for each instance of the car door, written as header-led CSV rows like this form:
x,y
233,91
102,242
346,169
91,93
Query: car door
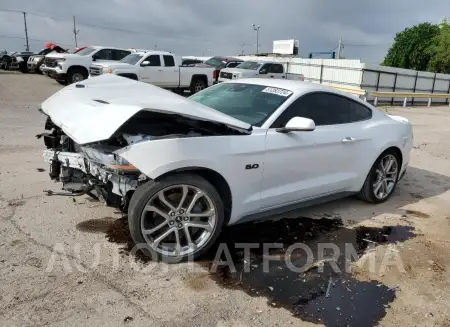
x,y
171,73
151,70
301,166
276,71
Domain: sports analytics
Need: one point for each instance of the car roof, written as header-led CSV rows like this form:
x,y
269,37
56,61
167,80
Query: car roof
x,y
153,52
298,87
227,58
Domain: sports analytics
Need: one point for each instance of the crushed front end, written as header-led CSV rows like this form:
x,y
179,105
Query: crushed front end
x,y
92,169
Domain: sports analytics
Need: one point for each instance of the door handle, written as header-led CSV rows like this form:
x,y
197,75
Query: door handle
x,y
348,140
160,70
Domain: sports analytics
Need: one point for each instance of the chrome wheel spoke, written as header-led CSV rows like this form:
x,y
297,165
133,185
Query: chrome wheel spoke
x,y
188,237
183,196
205,214
158,240
199,224
194,200
377,186
385,186
151,231
157,210
163,199
177,248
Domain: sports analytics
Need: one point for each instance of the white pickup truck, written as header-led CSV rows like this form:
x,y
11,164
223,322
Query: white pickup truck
x,y
255,69
70,68
160,68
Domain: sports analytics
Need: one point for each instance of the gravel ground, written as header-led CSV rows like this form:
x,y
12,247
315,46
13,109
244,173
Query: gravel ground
x,y
64,261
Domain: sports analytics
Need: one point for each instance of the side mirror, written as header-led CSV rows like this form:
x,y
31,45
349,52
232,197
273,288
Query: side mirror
x,y
263,71
94,57
298,124
145,63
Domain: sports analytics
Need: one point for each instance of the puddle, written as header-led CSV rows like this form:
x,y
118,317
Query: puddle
x,y
349,302
318,295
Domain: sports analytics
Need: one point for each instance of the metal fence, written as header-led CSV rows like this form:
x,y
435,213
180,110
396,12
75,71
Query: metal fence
x,y
370,77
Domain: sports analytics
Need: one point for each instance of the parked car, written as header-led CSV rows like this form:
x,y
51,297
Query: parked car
x,y
159,68
184,168
220,63
262,69
5,60
16,61
35,62
71,68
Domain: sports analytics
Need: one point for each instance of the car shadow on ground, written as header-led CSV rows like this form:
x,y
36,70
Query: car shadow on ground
x,y
313,291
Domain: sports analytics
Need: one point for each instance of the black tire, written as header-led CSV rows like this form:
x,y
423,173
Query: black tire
x,y
73,74
146,191
367,192
38,70
197,85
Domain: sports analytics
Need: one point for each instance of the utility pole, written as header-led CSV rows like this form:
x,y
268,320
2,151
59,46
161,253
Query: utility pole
x,y
156,46
256,28
26,30
75,32
340,48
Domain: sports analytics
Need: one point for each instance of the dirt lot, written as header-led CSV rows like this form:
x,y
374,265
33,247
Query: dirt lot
x,y
64,261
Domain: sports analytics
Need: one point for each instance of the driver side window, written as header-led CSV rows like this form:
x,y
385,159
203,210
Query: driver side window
x,y
104,54
154,61
264,69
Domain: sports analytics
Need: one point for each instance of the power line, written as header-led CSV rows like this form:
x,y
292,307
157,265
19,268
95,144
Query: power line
x,y
111,28
31,39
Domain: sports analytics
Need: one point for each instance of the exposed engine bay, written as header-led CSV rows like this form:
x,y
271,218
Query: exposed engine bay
x,y
96,170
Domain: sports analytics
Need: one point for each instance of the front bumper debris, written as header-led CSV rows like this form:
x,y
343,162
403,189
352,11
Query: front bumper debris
x,y
120,184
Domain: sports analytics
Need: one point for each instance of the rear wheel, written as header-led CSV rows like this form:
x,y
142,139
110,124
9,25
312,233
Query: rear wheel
x,y
382,178
197,85
175,218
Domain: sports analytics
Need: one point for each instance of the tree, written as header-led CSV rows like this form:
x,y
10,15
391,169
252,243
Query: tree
x,y
411,48
440,50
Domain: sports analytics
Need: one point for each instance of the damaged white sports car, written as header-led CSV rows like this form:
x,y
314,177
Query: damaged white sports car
x,y
241,150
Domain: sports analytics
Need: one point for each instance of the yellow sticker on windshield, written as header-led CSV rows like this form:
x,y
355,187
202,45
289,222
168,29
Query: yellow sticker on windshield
x,y
277,91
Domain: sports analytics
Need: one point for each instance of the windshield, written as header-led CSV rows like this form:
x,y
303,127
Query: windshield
x,y
249,103
86,51
252,65
131,59
217,63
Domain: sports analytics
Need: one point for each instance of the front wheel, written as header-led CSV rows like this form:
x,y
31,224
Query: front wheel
x,y
76,75
382,178
176,218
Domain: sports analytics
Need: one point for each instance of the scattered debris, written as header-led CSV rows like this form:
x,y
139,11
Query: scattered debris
x,y
330,282
320,264
128,319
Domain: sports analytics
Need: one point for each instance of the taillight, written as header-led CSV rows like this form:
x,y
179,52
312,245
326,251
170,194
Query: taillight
x,y
215,74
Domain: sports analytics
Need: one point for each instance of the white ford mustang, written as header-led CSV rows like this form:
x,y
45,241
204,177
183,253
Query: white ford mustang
x,y
237,151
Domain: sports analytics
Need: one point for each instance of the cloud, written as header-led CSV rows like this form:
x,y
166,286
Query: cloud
x,y
194,27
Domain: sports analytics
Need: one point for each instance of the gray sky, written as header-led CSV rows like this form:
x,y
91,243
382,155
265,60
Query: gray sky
x,y
213,27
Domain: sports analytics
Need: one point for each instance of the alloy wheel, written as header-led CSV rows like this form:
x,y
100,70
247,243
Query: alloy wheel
x,y
198,87
386,176
178,220
77,77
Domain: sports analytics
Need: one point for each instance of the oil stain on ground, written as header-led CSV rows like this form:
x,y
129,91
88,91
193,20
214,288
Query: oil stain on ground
x,y
319,295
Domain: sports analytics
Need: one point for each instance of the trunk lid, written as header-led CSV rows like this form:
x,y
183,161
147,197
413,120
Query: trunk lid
x,y
92,110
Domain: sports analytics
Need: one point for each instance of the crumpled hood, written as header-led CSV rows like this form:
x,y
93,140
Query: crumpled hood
x,y
92,110
56,55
